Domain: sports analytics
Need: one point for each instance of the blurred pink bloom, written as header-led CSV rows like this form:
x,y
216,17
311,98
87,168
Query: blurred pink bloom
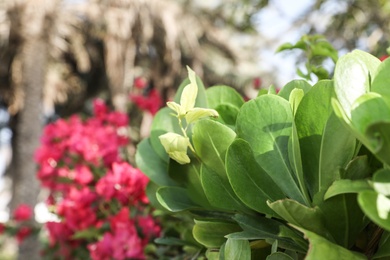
x,y
23,212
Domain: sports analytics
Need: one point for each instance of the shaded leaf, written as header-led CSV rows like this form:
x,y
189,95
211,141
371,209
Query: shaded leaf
x,y
266,124
322,249
175,199
294,84
376,207
346,186
212,234
249,181
237,249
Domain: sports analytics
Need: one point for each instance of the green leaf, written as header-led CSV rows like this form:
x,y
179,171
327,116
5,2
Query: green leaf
x,y
218,95
376,207
163,122
343,218
88,234
219,192
211,140
346,186
266,124
152,165
301,216
175,199
379,135
151,191
237,249
212,234
383,247
249,181
279,256
322,249
295,84
188,177
227,114
295,98
381,81
294,152
337,149
381,181
310,119
358,168
326,145
352,77
260,227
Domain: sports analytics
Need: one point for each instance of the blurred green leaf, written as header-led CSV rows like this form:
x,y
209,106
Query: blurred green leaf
x,y
346,186
175,199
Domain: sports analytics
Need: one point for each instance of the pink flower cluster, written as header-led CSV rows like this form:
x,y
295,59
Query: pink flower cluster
x,y
99,198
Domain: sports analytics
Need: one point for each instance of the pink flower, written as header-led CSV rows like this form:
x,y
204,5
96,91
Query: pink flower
x,y
257,83
151,103
124,183
22,233
383,57
149,228
122,242
22,213
140,83
2,228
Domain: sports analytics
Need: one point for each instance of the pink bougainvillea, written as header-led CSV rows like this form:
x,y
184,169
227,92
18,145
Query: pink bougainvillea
x,y
93,190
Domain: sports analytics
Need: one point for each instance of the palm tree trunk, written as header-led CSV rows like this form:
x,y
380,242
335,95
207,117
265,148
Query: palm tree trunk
x,y
35,27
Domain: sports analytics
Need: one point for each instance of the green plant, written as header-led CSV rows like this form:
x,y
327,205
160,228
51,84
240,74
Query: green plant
x,y
317,51
299,174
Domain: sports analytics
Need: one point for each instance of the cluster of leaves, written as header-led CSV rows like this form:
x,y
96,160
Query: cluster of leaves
x,y
98,197
317,51
281,176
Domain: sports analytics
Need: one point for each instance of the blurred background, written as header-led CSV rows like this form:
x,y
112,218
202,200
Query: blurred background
x,y
56,55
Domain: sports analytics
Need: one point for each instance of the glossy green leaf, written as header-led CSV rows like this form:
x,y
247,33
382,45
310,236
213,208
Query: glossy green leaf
x,y
346,186
175,199
151,193
301,216
336,151
376,207
352,77
295,84
249,181
152,165
211,140
322,249
295,98
310,119
294,152
381,81
266,124
237,249
219,192
212,234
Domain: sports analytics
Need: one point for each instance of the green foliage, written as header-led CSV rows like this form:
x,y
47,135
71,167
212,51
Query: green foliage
x,y
317,50
301,173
